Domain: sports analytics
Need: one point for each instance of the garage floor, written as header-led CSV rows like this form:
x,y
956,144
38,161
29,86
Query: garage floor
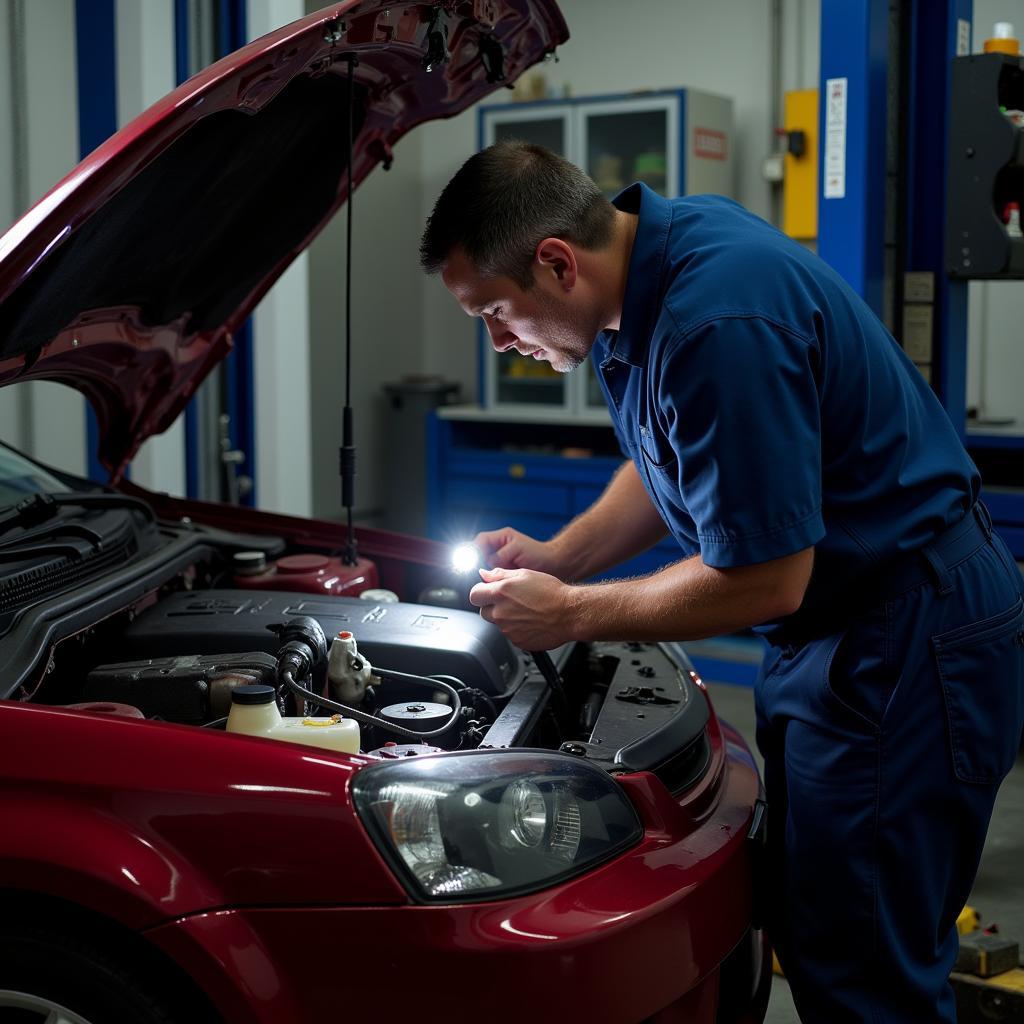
x,y
999,889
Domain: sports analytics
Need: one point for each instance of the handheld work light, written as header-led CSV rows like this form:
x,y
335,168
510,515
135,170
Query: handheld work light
x,y
465,558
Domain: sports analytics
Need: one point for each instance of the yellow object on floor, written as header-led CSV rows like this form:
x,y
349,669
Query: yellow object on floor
x,y
968,921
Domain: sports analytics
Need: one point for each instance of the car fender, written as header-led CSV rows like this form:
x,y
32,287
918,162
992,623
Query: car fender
x,y
150,821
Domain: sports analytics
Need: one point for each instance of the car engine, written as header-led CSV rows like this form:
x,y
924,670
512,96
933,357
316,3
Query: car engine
x,y
177,624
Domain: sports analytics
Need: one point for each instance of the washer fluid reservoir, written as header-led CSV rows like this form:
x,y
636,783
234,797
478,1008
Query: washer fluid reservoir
x,y
254,713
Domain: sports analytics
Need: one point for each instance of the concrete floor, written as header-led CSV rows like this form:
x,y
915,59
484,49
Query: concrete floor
x,y
998,893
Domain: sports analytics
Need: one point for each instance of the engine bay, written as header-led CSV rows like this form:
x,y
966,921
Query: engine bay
x,y
175,631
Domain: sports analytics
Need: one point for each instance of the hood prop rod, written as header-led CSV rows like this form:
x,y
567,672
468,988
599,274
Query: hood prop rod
x,y
347,452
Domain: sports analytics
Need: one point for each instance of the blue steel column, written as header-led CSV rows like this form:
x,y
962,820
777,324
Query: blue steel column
x,y
239,366
96,55
934,47
851,229
182,70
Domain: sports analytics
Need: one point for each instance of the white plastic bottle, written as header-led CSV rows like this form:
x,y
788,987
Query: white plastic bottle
x,y
254,712
348,672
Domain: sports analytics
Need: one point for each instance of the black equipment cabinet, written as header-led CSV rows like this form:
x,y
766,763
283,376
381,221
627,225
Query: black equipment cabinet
x,y
986,167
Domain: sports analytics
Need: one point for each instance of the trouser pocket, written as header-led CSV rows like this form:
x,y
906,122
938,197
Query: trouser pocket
x,y
981,671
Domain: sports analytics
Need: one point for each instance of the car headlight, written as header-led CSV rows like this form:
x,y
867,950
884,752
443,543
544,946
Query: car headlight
x,y
488,824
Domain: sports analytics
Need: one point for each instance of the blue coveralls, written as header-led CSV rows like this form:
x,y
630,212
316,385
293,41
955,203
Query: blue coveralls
x,y
768,410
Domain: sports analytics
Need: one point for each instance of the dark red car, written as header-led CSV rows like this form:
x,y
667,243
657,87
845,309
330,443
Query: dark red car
x,y
507,845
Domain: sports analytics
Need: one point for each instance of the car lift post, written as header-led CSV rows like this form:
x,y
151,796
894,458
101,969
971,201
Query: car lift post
x,y
890,72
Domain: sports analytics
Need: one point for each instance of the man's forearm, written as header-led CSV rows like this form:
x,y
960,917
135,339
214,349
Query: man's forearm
x,y
620,524
689,600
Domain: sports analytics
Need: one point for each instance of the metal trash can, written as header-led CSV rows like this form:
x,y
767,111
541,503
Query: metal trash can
x,y
409,401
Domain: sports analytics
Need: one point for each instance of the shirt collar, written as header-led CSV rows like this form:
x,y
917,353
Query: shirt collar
x,y
641,304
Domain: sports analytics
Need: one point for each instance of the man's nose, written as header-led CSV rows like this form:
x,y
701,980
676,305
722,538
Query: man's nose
x,y
501,339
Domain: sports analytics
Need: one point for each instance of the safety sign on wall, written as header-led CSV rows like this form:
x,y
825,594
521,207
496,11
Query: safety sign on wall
x,y
835,138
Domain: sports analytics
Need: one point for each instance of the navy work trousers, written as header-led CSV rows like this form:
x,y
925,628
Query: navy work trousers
x,y
884,745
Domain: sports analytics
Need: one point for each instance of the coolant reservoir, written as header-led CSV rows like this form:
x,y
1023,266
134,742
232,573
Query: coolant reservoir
x,y
348,672
254,713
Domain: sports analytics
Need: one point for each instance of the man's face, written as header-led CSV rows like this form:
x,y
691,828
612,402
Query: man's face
x,y
544,322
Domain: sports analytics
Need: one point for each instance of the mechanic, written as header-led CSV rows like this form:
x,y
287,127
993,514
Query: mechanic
x,y
818,493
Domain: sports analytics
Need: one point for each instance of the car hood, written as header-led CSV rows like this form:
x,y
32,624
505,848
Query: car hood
x,y
129,278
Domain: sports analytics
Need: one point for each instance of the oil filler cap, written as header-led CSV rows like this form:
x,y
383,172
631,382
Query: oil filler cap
x,y
419,715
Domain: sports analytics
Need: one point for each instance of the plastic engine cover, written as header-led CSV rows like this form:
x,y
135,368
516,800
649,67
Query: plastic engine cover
x,y
416,638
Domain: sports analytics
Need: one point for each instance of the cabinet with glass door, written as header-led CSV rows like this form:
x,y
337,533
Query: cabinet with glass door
x,y
676,141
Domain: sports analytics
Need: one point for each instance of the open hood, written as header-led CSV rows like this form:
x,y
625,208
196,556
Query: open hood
x,y
127,280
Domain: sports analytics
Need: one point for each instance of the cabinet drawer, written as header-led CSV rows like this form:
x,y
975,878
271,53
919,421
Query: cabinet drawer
x,y
508,495
595,471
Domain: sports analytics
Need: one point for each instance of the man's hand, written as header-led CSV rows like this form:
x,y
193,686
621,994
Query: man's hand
x,y
530,608
509,549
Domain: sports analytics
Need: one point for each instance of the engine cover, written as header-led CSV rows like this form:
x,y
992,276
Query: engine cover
x,y
417,638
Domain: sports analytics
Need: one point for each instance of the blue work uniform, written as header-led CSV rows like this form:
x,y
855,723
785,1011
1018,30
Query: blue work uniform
x,y
768,410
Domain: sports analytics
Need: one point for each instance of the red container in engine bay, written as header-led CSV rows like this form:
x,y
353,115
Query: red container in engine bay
x,y
307,573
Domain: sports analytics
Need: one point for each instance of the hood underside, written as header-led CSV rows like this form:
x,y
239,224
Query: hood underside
x,y
128,279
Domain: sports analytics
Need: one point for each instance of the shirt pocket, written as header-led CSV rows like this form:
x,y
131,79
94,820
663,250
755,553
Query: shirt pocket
x,y
981,670
657,452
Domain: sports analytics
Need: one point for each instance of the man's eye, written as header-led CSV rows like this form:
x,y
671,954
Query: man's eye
x,y
495,313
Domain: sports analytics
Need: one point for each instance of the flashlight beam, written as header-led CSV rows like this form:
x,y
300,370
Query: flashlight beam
x,y
465,558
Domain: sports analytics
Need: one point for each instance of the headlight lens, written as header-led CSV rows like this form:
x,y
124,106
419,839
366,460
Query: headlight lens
x,y
522,816
484,824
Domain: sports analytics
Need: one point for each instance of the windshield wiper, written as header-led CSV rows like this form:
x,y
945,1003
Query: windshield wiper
x,y
40,507
52,529
11,553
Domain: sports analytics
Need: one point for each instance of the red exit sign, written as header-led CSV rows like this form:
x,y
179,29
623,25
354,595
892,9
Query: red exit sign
x,y
710,144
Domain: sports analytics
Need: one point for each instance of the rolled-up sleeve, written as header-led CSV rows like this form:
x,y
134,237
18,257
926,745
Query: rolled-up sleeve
x,y
739,405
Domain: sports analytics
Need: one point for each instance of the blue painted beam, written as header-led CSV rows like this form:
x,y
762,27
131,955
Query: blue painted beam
x,y
96,55
936,24
854,59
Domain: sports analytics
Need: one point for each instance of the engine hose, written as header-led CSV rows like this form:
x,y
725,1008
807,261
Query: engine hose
x,y
472,692
431,682
288,678
457,683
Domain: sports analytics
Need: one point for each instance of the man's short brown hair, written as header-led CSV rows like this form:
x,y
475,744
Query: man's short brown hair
x,y
504,201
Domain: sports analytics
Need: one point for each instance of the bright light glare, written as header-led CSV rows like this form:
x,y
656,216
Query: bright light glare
x,y
465,558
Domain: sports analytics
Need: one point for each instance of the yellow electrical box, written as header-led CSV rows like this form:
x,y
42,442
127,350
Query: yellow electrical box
x,y
800,181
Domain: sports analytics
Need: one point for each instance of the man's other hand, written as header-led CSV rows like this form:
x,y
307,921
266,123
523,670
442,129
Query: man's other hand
x,y
530,608
509,549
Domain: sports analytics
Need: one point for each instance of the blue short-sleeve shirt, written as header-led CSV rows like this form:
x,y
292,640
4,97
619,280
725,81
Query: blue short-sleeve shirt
x,y
765,406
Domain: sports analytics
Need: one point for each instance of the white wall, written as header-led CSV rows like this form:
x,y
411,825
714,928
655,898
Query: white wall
x,y
45,419
388,325
995,347
801,44
8,202
10,407
281,353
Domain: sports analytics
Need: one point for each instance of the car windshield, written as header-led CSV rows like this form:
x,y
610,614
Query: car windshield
x,y
20,478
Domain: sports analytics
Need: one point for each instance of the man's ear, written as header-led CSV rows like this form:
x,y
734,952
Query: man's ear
x,y
556,257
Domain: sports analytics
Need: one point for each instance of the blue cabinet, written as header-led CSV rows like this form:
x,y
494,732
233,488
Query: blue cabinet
x,y
485,472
